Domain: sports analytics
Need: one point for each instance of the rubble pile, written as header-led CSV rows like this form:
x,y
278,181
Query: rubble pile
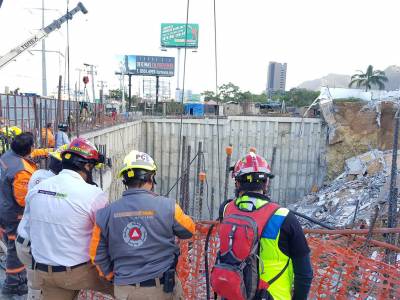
x,y
356,127
363,185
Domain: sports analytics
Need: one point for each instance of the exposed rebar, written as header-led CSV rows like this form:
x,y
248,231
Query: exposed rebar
x,y
393,193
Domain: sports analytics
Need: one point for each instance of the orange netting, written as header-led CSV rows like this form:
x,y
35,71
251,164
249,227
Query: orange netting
x,y
341,271
344,268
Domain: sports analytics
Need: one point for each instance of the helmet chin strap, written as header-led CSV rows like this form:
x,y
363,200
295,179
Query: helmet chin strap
x,y
265,187
89,176
153,182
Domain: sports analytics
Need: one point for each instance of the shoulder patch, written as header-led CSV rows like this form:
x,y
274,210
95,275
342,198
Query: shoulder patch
x,y
282,211
54,194
271,231
47,192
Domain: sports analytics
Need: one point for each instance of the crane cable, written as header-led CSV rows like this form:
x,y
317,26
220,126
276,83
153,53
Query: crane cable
x,y
182,96
68,74
217,98
206,265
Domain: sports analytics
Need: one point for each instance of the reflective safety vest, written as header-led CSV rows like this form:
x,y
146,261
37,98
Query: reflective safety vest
x,y
15,172
272,259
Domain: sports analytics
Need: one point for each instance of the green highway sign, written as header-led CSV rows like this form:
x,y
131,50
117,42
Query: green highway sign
x,y
173,35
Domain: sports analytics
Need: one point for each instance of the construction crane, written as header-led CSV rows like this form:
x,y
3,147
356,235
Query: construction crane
x,y
43,33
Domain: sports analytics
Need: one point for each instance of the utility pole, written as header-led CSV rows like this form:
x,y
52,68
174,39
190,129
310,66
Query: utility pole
x,y
51,51
130,91
102,84
178,71
92,72
157,88
122,86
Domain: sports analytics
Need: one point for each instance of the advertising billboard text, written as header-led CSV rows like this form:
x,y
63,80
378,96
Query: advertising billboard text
x,y
150,65
173,35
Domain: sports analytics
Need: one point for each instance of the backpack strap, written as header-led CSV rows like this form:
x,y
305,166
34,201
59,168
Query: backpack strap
x,y
276,277
268,210
261,216
264,285
222,209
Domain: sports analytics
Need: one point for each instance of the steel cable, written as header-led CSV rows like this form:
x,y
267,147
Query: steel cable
x,y
181,98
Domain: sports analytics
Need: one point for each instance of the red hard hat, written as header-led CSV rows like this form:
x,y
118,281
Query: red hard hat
x,y
251,163
83,148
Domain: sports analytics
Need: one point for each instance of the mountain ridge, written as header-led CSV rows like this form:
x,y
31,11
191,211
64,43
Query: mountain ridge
x,y
342,81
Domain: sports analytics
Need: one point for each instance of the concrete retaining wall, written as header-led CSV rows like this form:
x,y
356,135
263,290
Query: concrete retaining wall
x,y
295,148
120,140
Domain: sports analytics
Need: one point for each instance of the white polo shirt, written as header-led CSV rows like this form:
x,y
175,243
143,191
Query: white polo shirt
x,y
61,217
37,177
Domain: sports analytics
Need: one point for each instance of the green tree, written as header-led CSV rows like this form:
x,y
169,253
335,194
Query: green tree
x,y
296,97
260,97
369,79
229,92
208,95
246,96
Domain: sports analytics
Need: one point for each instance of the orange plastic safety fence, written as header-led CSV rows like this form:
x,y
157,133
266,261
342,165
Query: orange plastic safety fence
x,y
191,265
341,271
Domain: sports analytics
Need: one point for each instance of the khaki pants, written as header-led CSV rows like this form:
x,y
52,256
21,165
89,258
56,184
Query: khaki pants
x,y
24,255
131,292
66,285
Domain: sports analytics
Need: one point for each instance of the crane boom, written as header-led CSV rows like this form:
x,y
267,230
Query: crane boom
x,y
56,24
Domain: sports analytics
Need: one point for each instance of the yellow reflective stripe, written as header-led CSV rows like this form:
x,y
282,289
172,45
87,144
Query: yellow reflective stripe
x,y
282,212
259,202
273,260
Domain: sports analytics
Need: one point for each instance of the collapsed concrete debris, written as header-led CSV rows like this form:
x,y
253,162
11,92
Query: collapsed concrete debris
x,y
351,198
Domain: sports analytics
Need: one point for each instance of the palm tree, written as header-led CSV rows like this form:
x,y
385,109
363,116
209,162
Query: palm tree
x,y
368,79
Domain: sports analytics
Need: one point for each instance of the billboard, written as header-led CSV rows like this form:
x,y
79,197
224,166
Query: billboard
x,y
173,35
150,65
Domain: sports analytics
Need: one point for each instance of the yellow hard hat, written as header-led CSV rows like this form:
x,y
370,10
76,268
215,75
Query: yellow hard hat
x,y
137,160
11,131
57,154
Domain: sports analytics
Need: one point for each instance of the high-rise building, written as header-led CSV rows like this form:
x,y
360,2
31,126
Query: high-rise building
x,y
276,77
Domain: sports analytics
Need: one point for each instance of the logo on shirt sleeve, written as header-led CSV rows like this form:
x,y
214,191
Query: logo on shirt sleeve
x,y
134,234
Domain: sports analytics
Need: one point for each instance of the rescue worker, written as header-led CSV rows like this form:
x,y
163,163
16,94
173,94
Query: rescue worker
x,y
11,131
48,137
7,134
61,135
22,242
60,222
133,241
16,169
283,250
